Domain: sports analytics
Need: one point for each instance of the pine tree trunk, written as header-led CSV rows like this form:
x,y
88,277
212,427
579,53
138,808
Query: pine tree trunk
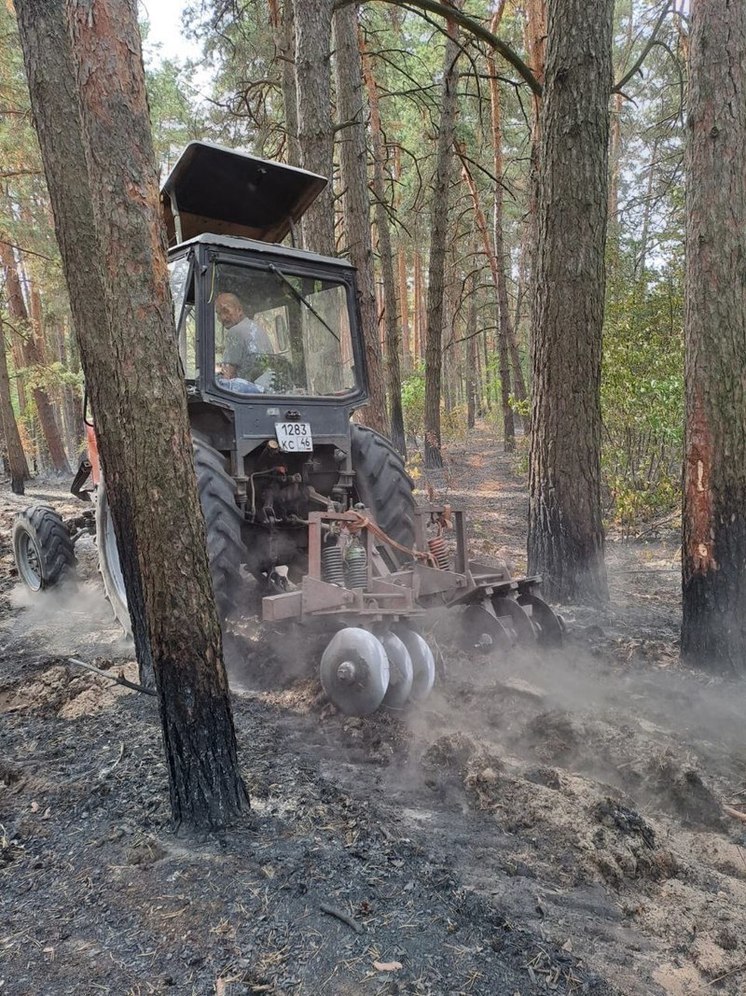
x,y
32,355
281,18
404,310
471,359
313,29
17,465
352,113
88,97
536,46
438,245
566,540
501,302
392,337
419,308
507,328
713,633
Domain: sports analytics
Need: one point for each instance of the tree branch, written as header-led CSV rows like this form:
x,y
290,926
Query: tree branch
x,y
618,87
470,25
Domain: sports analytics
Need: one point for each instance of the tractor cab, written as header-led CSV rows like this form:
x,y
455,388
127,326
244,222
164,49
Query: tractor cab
x,y
269,335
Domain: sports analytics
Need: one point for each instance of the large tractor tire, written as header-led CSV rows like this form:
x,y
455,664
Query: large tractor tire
x,y
42,547
223,531
383,486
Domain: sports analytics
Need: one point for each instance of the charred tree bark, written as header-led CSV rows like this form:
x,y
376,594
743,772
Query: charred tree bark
x,y
566,540
352,114
88,98
438,246
713,633
313,29
392,337
17,465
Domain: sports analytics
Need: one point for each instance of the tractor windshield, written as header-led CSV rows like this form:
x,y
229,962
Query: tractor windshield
x,y
279,332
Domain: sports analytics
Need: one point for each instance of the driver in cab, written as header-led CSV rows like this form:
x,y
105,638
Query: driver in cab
x,y
246,345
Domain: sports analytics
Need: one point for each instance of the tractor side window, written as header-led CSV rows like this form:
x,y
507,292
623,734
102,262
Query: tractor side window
x,y
182,291
277,332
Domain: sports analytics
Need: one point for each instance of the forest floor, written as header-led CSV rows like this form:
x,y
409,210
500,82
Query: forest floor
x,y
542,824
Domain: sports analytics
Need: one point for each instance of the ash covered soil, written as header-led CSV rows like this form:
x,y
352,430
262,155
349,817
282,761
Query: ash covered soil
x,y
552,823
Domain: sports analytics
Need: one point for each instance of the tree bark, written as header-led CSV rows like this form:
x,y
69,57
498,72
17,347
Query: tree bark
x,y
32,355
507,328
713,633
313,28
84,64
438,236
536,45
566,540
17,464
500,307
281,17
392,336
352,114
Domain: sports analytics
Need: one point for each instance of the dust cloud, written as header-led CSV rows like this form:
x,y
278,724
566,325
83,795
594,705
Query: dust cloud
x,y
74,619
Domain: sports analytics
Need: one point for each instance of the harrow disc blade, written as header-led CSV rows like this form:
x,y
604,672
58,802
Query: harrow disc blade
x,y
354,671
483,631
548,625
423,664
512,614
401,672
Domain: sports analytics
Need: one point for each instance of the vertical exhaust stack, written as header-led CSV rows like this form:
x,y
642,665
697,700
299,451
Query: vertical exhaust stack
x,y
219,191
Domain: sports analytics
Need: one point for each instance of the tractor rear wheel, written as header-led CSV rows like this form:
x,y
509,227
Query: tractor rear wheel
x,y
383,485
42,547
222,527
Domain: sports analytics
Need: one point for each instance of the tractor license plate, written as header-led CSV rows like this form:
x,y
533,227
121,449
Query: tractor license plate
x,y
294,437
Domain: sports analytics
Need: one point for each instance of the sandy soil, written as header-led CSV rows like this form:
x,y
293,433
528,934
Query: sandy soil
x,y
543,824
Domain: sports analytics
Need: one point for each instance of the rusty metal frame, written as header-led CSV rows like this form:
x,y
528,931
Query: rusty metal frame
x,y
389,593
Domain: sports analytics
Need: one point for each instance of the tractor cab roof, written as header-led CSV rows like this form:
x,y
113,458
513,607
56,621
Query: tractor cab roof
x,y
215,189
236,245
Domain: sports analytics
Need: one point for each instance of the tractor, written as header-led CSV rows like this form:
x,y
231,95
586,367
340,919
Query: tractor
x,y
318,509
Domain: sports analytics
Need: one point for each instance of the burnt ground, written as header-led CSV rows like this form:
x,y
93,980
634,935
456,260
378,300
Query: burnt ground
x,y
543,824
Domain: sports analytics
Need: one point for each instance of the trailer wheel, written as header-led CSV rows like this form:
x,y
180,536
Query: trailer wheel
x,y
42,547
225,548
383,485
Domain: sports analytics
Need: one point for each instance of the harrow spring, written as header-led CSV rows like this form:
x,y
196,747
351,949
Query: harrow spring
x,y
437,547
356,567
332,565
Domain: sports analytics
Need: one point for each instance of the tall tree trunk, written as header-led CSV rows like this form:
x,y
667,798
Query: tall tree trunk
x,y
438,245
566,540
88,97
392,336
536,45
17,464
313,29
419,307
32,354
500,309
401,257
507,328
471,357
713,633
352,114
642,256
281,18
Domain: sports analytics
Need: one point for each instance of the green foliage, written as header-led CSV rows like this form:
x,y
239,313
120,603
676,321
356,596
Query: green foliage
x,y
642,396
413,402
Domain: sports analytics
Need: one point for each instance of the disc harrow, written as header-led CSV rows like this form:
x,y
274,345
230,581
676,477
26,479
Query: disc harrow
x,y
376,657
